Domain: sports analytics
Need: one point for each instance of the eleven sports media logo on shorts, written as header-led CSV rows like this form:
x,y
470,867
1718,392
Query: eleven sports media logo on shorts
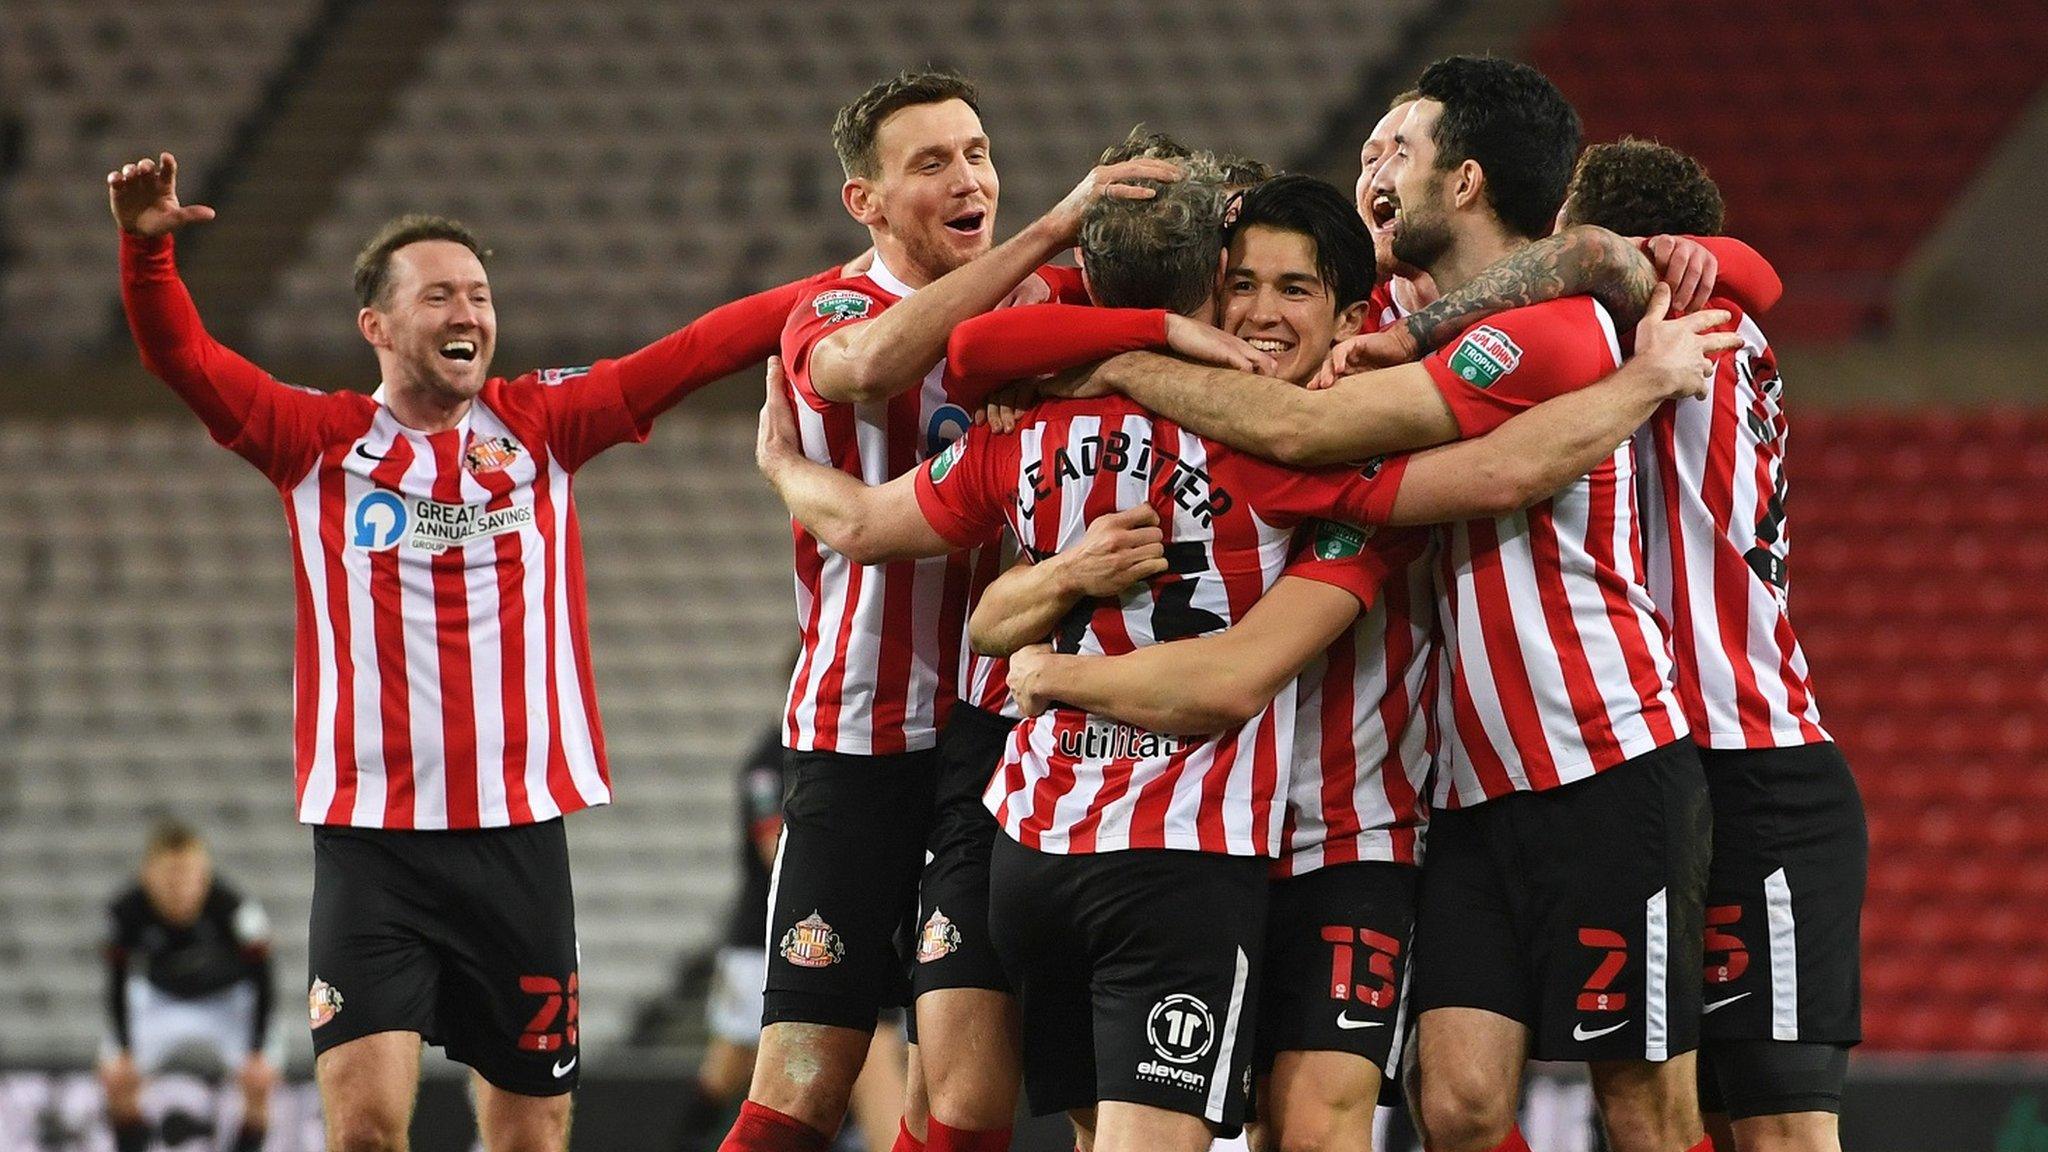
x,y
1484,356
1182,1030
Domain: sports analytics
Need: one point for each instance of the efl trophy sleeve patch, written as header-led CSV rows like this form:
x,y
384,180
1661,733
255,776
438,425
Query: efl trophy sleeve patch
x,y
1337,541
841,304
1484,356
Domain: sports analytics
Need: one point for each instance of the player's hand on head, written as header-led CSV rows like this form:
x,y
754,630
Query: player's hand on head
x,y
1118,550
1031,290
1114,180
1207,344
144,198
776,440
1082,383
1027,678
1689,267
1006,406
1366,353
1679,351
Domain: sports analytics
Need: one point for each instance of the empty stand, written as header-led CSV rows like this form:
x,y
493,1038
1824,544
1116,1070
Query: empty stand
x,y
101,84
1838,130
146,651
1920,587
635,162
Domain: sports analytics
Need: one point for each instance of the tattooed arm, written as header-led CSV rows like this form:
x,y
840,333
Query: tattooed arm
x,y
1583,260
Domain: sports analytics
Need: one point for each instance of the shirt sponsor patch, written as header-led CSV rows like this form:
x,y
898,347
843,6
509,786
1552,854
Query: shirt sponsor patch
x,y
383,519
842,304
1484,356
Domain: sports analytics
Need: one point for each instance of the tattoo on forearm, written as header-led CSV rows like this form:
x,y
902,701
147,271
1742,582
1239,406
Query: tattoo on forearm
x,y
1577,261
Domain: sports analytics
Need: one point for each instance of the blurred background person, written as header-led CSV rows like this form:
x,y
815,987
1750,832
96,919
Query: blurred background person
x,y
188,969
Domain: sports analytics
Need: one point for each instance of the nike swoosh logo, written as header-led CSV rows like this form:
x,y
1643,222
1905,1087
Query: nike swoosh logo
x,y
1722,1003
1579,1031
365,454
562,1070
1347,1023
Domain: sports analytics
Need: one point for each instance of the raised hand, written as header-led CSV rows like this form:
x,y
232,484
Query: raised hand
x,y
1680,350
1108,180
1207,344
144,198
1688,267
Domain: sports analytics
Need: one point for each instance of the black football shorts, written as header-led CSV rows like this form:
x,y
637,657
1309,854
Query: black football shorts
x,y
465,937
845,885
1136,975
1336,960
953,948
1576,911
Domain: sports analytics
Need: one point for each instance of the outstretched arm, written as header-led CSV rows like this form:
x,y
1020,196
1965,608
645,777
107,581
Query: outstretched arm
x,y
1024,604
1391,410
876,359
713,346
1208,684
867,525
1537,452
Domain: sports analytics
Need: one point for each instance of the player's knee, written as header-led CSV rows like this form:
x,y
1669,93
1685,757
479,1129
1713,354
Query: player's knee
x,y
364,1134
1464,1112
1320,1127
1792,1132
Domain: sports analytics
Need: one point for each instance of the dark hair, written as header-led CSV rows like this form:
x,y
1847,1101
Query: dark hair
x,y
1157,253
1643,188
1146,143
373,263
1512,120
169,835
854,128
1315,209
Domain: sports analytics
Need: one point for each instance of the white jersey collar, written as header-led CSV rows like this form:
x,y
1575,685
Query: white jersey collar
x,y
886,280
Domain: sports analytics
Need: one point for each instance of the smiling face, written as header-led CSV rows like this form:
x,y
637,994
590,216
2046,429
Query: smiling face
x,y
933,198
1274,299
1377,210
434,328
1419,229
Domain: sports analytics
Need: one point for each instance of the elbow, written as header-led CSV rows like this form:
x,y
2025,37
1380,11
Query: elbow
x,y
1506,491
1302,444
989,638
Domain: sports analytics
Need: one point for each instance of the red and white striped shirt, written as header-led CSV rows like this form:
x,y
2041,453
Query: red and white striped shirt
x,y
885,650
1074,783
1364,735
442,671
1715,540
884,646
1556,663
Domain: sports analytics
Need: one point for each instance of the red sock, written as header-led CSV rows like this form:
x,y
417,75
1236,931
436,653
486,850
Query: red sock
x,y
1706,1144
905,1140
939,1138
763,1129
